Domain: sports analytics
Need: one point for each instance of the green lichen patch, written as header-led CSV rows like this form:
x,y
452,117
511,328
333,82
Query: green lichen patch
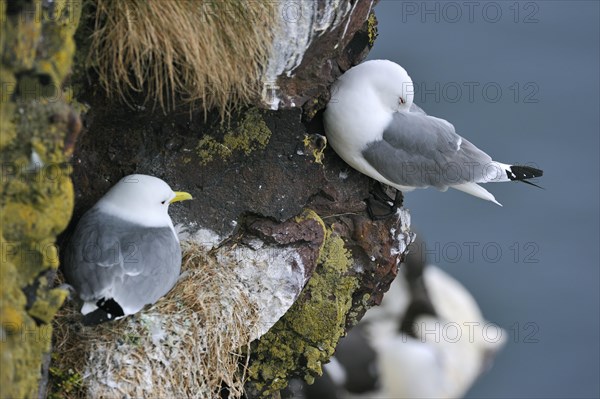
x,y
23,340
372,29
67,382
316,145
37,194
208,148
250,134
47,304
306,336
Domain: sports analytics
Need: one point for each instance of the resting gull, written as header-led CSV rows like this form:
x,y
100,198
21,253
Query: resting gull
x,y
124,252
373,125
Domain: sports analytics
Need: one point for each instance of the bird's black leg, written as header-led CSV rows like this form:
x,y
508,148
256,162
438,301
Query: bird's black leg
x,y
380,206
398,200
379,193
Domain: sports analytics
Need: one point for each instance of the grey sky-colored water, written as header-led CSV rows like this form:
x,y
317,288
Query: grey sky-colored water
x,y
521,81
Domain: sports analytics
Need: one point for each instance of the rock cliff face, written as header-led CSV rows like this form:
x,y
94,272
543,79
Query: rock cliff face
x,y
262,176
37,194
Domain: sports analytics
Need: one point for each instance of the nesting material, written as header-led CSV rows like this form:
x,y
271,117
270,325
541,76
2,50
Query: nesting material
x,y
189,344
194,341
211,51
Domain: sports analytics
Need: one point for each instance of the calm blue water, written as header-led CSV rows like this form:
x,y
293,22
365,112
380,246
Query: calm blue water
x,y
521,81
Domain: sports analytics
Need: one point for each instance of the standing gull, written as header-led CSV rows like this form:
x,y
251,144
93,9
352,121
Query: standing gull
x,y
124,252
373,125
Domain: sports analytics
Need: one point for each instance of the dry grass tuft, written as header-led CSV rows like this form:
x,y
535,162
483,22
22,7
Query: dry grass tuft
x,y
188,344
206,51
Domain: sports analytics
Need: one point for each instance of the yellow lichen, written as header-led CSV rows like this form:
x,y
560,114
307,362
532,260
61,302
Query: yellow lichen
x,y
37,195
50,253
250,134
208,148
316,144
372,29
47,304
306,336
10,319
309,214
7,127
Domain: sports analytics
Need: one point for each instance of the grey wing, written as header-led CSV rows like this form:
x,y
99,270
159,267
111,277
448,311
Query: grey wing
x,y
93,259
110,258
418,150
157,254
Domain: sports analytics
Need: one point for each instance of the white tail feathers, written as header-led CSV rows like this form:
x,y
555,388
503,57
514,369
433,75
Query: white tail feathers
x,y
495,172
477,191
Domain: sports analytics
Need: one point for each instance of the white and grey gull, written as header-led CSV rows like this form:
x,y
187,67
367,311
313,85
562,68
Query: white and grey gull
x,y
124,252
373,125
427,339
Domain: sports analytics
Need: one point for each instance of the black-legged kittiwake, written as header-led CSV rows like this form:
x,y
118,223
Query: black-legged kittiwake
x,y
428,339
124,252
443,345
373,125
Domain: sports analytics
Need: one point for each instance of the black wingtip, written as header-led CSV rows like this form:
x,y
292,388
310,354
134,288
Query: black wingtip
x,y
531,184
517,172
107,310
522,173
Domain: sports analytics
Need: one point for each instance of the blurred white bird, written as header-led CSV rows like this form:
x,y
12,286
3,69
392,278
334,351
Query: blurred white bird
x,y
437,354
427,339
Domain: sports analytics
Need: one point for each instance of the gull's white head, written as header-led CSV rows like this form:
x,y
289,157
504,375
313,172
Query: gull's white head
x,y
362,103
388,81
141,199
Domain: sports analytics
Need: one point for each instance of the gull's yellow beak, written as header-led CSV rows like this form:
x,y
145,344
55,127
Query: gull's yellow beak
x,y
181,196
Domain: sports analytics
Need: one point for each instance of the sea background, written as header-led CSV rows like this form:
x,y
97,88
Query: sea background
x,y
521,81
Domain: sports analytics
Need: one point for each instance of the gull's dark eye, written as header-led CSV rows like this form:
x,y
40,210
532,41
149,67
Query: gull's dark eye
x,y
163,202
401,100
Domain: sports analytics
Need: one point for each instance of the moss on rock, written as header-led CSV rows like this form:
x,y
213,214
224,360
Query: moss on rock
x,y
251,133
372,29
308,333
315,144
37,194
